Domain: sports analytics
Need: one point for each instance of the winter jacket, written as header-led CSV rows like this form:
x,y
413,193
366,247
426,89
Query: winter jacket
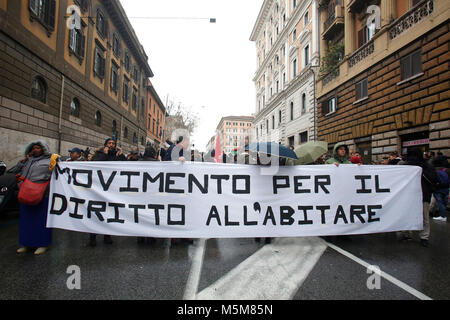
x,y
429,175
36,169
336,158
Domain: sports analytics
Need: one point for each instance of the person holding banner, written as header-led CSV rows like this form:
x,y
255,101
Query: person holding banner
x,y
109,152
340,155
429,183
34,173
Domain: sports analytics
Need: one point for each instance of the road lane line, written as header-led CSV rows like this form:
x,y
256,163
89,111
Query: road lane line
x,y
275,272
196,270
383,274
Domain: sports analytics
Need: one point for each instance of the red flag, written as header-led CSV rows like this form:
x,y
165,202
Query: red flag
x,y
218,150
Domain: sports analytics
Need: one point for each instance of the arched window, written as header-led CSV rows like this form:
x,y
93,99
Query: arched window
x,y
98,118
303,103
39,89
135,138
75,108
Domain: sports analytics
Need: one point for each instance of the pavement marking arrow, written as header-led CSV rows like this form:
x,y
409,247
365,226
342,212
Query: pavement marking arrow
x,y
275,272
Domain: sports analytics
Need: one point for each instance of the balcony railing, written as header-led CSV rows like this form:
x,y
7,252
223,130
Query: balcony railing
x,y
411,18
329,21
330,77
362,53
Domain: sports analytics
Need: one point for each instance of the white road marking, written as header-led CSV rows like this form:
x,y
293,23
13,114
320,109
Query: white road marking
x,y
388,277
275,272
196,270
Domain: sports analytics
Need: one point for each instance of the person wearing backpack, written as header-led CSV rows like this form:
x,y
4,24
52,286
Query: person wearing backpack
x,y
441,194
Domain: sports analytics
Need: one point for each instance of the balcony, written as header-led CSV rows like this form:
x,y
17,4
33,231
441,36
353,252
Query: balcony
x,y
334,23
362,53
414,16
356,5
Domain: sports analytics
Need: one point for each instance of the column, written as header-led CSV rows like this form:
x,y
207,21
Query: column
x,y
388,9
350,34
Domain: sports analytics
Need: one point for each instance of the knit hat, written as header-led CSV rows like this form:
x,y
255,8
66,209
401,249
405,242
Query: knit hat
x,y
355,160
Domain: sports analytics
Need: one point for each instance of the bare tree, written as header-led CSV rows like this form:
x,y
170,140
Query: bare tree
x,y
180,117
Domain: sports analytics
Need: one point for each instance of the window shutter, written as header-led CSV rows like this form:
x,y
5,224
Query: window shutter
x,y
71,39
360,37
365,91
406,67
358,91
102,67
416,58
82,45
33,5
51,16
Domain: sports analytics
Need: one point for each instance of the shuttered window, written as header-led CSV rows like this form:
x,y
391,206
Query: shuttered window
x,y
43,11
361,90
77,42
411,65
99,63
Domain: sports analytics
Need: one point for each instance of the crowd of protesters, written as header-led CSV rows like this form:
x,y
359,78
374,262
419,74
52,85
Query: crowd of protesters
x,y
35,170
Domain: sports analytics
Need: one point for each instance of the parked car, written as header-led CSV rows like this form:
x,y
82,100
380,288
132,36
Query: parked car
x,y
9,190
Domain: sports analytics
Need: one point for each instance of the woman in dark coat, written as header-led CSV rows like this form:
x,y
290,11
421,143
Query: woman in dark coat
x,y
33,231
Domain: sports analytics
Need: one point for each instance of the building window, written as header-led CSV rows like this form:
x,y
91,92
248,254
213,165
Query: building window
x,y
411,65
44,11
114,77
294,3
126,90
330,106
292,111
307,55
136,74
125,133
294,68
361,90
98,119
291,141
102,24
116,45
273,122
304,137
134,101
366,34
127,62
267,125
75,108
39,89
279,116
303,103
99,63
77,42
306,19
114,130
294,35
135,138
83,4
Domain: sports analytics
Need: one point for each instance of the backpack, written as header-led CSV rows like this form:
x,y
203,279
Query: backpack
x,y
444,181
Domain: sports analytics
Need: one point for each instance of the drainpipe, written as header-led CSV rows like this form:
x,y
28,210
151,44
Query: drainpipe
x,y
60,114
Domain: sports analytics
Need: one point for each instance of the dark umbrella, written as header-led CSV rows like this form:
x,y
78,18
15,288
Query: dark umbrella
x,y
273,149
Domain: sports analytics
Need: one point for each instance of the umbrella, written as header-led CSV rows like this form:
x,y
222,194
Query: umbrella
x,y
273,149
310,152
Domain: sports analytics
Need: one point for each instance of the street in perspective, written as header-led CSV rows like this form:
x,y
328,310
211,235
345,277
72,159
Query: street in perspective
x,y
232,152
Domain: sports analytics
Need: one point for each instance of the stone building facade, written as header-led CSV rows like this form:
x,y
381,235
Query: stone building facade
x,y
70,86
389,90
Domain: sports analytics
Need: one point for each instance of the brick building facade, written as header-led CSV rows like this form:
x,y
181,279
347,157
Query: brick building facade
x,y
390,91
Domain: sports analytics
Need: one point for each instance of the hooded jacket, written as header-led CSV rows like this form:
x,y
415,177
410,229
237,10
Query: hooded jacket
x,y
36,169
336,158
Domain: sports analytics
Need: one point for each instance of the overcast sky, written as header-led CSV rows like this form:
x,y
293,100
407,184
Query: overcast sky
x,y
207,67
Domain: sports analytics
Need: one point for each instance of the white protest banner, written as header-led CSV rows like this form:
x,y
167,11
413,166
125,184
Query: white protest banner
x,y
208,200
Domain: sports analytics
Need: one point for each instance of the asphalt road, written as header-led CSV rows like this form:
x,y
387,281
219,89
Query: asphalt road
x,y
288,268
